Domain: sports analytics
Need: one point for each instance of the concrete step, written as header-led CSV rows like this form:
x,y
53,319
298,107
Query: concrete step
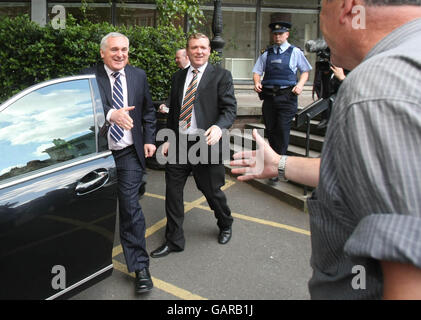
x,y
313,128
285,191
298,138
296,145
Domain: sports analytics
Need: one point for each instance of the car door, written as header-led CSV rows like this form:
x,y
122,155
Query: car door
x,y
57,190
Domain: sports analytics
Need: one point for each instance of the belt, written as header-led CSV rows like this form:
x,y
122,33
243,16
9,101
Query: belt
x,y
276,90
124,151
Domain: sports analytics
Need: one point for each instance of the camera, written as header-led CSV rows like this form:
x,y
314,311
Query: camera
x,y
325,83
319,46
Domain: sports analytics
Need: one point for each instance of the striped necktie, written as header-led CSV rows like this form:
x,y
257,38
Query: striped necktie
x,y
188,102
116,131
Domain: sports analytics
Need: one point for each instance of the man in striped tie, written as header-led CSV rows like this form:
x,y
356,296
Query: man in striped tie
x,y
203,107
131,137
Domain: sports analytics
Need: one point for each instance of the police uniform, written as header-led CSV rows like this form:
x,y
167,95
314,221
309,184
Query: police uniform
x,y
280,65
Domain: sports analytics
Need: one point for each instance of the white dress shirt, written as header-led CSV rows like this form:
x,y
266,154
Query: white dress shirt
x,y
127,139
193,124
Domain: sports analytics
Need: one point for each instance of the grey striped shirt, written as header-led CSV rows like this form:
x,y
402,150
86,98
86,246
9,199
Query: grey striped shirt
x,y
367,206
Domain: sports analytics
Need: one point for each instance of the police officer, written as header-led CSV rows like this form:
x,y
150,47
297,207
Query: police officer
x,y
279,88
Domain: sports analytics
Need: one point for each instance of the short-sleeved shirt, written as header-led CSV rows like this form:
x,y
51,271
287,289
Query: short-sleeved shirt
x,y
298,60
367,206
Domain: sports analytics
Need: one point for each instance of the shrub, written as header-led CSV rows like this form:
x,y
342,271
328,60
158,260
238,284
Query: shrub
x,y
31,54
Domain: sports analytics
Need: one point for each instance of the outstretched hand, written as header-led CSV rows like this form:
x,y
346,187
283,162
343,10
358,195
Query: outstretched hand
x,y
122,118
261,163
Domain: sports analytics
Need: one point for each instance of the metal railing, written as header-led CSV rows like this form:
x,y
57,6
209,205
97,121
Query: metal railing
x,y
304,117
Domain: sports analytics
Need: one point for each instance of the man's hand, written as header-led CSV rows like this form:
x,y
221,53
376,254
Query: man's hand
x,y
121,118
164,149
258,87
297,89
261,163
149,150
163,108
213,134
338,72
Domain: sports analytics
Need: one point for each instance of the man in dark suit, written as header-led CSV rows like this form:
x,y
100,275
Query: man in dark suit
x,y
182,61
203,105
131,137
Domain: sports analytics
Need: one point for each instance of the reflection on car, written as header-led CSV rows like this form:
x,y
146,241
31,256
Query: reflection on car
x,y
58,195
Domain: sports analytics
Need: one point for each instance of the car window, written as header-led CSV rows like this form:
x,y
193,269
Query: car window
x,y
48,126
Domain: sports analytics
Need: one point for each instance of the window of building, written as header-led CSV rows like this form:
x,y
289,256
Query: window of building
x,y
95,12
239,34
291,3
136,14
14,9
47,126
237,2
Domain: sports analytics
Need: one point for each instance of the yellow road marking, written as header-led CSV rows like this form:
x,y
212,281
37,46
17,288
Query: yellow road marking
x,y
169,288
117,250
162,285
153,195
152,229
262,221
197,204
184,294
161,223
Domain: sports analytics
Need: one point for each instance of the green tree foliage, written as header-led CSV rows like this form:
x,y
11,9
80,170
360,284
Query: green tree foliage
x,y
172,12
31,54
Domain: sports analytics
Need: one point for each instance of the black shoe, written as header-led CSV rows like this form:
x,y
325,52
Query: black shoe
x,y
143,282
225,235
163,251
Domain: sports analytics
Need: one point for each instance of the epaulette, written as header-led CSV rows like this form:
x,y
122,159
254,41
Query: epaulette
x,y
264,50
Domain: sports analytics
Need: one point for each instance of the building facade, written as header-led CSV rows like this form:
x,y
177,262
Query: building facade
x,y
245,23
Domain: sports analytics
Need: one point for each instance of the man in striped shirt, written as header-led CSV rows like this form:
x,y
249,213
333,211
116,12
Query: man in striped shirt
x,y
365,214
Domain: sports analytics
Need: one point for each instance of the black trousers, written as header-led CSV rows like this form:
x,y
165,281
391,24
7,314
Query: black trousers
x,y
131,218
209,179
278,113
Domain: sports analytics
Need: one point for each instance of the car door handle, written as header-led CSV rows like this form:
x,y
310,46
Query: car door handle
x,y
92,181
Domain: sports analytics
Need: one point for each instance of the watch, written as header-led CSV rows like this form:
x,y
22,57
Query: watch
x,y
281,167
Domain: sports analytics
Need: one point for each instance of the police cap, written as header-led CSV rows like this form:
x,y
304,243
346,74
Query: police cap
x,y
280,26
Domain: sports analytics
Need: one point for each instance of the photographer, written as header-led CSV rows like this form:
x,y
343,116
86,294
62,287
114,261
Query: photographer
x,y
327,77
338,75
279,88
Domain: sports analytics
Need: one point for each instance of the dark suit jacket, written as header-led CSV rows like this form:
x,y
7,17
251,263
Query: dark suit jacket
x,y
144,116
215,102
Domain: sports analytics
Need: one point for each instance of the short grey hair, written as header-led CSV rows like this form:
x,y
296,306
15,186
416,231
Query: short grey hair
x,y
103,44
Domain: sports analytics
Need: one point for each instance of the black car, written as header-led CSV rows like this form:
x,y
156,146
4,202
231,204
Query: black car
x,y
58,190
